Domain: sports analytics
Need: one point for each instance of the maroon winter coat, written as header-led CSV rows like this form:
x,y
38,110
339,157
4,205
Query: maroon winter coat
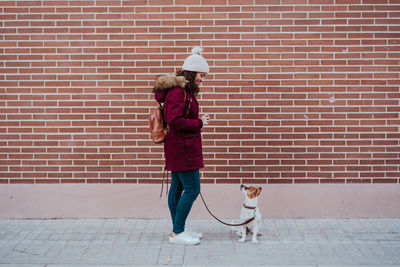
x,y
182,147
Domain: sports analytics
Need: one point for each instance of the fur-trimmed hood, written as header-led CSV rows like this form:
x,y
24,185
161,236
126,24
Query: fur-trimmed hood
x,y
164,83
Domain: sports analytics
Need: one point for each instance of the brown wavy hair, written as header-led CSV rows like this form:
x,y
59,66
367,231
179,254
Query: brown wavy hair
x,y
190,77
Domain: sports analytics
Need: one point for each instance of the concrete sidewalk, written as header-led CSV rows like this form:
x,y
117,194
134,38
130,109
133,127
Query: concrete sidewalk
x,y
142,242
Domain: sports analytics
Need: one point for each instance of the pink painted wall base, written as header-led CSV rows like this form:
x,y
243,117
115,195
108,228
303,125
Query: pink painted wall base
x,y
142,201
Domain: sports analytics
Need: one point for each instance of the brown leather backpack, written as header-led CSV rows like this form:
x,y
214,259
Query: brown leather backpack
x,y
158,127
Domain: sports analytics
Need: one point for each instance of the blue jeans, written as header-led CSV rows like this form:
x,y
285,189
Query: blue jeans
x,y
179,204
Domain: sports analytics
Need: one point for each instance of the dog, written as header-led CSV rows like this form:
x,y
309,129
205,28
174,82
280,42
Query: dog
x,y
250,210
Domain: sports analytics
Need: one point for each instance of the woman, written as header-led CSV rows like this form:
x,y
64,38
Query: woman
x,y
182,147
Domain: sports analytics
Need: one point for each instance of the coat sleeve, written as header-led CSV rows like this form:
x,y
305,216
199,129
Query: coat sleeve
x,y
174,105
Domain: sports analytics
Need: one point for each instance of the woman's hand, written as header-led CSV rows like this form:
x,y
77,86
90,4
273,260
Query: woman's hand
x,y
205,119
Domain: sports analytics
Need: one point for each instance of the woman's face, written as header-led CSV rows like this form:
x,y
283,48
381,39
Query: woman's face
x,y
199,78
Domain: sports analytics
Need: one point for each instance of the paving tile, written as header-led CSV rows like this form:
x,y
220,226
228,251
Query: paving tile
x,y
143,242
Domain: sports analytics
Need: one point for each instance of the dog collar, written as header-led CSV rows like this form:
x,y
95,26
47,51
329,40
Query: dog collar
x,y
250,208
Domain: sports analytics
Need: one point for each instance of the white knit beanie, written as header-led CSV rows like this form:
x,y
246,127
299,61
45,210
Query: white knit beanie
x,y
196,62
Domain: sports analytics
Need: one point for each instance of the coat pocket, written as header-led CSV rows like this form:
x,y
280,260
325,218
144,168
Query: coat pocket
x,y
192,144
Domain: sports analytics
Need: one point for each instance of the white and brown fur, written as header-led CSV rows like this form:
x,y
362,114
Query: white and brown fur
x,y
165,82
250,200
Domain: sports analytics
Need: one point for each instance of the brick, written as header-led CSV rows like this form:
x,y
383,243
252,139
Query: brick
x,y
288,80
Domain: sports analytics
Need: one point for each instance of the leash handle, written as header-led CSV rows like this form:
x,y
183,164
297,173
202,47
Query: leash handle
x,y
229,224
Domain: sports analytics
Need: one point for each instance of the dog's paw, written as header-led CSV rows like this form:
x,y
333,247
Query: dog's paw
x,y
254,241
240,234
242,240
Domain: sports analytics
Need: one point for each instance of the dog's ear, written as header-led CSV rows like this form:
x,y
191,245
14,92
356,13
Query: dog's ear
x,y
258,192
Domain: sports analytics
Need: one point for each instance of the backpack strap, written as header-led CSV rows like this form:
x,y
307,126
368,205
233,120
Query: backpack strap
x,y
161,106
162,184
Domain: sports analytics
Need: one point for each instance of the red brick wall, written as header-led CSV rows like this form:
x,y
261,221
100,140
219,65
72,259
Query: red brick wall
x,y
300,91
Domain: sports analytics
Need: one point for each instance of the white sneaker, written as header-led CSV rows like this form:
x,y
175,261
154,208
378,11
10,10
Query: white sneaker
x,y
183,239
193,233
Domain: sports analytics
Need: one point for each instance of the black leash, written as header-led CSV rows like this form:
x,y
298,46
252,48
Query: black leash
x,y
229,224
